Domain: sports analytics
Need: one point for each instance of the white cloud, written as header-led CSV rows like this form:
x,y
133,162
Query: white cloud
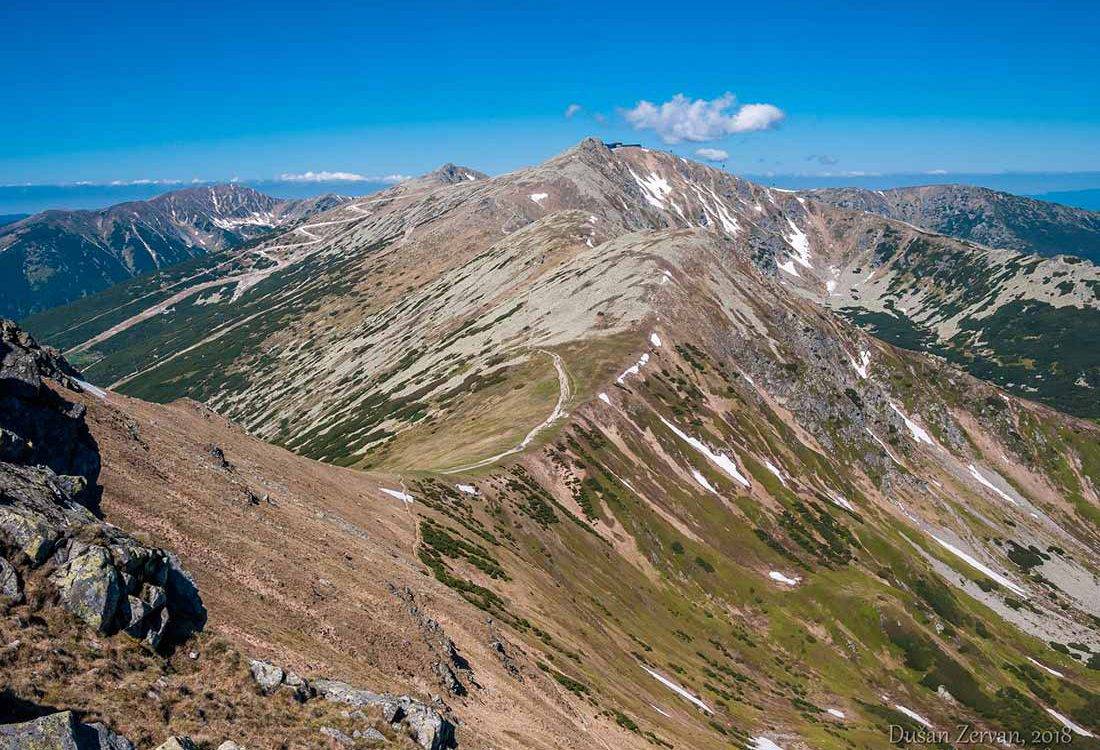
x,y
323,177
682,119
340,177
712,154
571,110
936,171
142,181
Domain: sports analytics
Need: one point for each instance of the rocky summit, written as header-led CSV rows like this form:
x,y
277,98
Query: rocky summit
x,y
616,451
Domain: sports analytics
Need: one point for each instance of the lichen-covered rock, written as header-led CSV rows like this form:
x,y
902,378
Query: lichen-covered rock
x,y
10,587
90,587
178,743
60,731
267,675
427,726
52,732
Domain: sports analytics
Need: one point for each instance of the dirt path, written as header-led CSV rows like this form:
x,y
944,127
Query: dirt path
x,y
564,392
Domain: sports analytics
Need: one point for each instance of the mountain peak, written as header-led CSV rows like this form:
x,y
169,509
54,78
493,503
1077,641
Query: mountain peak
x,y
451,173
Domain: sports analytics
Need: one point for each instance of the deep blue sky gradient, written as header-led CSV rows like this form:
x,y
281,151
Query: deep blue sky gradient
x,y
122,90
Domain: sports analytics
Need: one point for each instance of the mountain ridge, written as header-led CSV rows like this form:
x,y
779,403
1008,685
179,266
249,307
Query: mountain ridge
x,y
55,256
628,455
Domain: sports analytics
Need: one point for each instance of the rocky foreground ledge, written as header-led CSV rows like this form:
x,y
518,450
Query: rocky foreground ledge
x,y
425,724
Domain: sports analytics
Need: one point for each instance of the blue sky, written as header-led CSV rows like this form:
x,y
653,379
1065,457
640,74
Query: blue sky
x,y
121,90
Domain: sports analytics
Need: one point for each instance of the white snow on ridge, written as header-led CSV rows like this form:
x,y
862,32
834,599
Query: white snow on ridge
x,y
539,197
842,501
864,363
986,483
676,689
974,562
702,480
919,434
94,390
775,470
913,715
788,267
1075,728
763,743
634,369
775,575
801,244
655,189
721,460
398,494
1044,667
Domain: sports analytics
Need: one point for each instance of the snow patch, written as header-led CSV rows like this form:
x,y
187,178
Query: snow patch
x,y
677,689
721,460
801,244
974,562
864,363
775,470
1045,668
763,743
654,188
702,480
835,712
539,197
605,398
1076,729
634,369
398,494
915,429
94,390
913,715
775,575
986,483
654,339
469,489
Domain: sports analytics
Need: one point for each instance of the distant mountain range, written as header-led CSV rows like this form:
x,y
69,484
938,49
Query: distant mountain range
x,y
630,473
989,217
55,257
10,218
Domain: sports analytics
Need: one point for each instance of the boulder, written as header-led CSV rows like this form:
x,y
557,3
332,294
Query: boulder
x,y
337,736
426,725
267,675
52,732
370,735
90,587
229,745
430,729
178,743
60,731
10,587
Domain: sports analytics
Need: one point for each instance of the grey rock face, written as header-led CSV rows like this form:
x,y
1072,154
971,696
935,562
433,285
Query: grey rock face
x,y
427,726
178,743
90,587
100,574
60,731
268,676
39,426
10,587
338,736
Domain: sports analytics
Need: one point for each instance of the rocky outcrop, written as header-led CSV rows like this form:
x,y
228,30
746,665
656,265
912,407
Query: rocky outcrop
x,y
96,571
178,743
37,426
425,724
60,731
